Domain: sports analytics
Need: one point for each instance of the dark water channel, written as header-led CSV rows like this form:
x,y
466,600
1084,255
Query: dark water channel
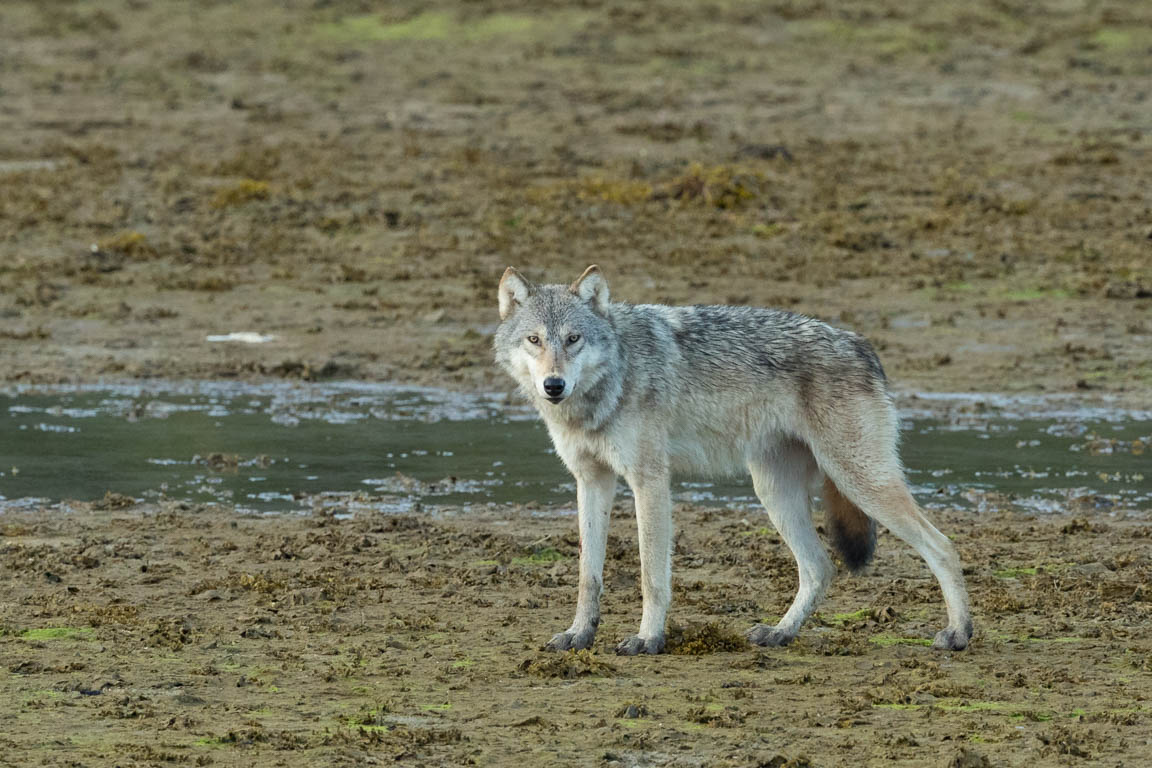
x,y
285,446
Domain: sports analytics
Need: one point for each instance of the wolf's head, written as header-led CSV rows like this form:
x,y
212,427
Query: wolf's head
x,y
554,339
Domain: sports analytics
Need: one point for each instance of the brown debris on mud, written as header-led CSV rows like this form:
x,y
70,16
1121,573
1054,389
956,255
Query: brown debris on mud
x,y
966,184
181,634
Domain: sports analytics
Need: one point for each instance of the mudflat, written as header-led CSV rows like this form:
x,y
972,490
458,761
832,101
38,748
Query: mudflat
x,y
967,184
175,634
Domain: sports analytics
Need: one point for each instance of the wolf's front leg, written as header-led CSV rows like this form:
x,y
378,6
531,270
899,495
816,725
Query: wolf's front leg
x,y
595,487
654,526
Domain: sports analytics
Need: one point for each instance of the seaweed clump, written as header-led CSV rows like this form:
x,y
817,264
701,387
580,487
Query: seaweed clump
x,y
240,193
703,639
568,665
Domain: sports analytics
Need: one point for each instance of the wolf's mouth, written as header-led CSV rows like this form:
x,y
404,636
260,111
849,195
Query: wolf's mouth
x,y
554,400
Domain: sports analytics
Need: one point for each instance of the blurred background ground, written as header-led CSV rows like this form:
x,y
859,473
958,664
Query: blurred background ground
x,y
968,184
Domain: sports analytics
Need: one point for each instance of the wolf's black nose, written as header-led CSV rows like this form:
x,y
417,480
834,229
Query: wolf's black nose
x,y
553,386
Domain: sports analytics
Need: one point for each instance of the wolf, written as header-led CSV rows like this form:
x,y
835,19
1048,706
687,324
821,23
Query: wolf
x,y
645,392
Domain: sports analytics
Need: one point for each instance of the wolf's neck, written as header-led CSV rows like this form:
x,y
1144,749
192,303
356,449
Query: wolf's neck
x,y
592,408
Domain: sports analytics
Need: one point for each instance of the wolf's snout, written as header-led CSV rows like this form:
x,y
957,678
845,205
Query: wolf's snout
x,y
554,388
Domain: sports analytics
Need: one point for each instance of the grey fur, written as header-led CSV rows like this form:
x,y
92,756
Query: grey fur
x,y
653,390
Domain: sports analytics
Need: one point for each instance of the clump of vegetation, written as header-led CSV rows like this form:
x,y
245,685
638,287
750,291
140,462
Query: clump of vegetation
x,y
632,711
244,191
218,462
568,665
211,283
37,334
720,186
252,163
375,717
249,582
703,639
172,634
622,191
838,644
113,500
718,716
128,243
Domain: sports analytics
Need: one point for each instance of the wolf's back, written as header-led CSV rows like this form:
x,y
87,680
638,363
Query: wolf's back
x,y
736,346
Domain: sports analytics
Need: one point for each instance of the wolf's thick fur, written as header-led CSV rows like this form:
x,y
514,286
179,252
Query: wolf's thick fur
x,y
648,391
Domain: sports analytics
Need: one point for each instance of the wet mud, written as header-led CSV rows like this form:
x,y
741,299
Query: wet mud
x,y
965,184
176,634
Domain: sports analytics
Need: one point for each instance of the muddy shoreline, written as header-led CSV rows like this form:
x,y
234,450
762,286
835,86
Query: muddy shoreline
x,y
184,635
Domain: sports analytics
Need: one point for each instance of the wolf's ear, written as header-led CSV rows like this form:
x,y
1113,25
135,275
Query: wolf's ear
x,y
514,289
591,286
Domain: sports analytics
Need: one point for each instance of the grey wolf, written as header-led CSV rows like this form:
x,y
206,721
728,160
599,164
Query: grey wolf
x,y
644,392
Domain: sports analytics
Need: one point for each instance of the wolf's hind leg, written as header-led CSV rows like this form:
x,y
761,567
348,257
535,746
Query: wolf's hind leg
x,y
595,487
782,481
869,475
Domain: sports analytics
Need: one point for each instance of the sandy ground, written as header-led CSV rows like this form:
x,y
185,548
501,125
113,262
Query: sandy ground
x,y
136,635
968,184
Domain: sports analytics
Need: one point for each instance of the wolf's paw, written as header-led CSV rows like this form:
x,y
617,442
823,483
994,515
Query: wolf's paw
x,y
953,638
572,640
769,636
637,644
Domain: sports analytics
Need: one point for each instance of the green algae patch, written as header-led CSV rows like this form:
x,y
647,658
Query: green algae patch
x,y
58,633
886,640
433,25
545,556
1120,40
846,618
703,639
1012,573
761,531
567,665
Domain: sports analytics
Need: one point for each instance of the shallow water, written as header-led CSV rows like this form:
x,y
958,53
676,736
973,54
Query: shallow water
x,y
279,446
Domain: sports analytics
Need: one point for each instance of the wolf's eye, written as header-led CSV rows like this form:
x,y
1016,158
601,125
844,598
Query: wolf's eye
x,y
573,338
534,340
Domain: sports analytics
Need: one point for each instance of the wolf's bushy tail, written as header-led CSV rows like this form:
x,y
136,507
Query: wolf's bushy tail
x,y
853,533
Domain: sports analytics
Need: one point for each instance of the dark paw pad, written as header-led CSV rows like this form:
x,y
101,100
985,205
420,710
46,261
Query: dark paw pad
x,y
768,636
636,645
571,640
